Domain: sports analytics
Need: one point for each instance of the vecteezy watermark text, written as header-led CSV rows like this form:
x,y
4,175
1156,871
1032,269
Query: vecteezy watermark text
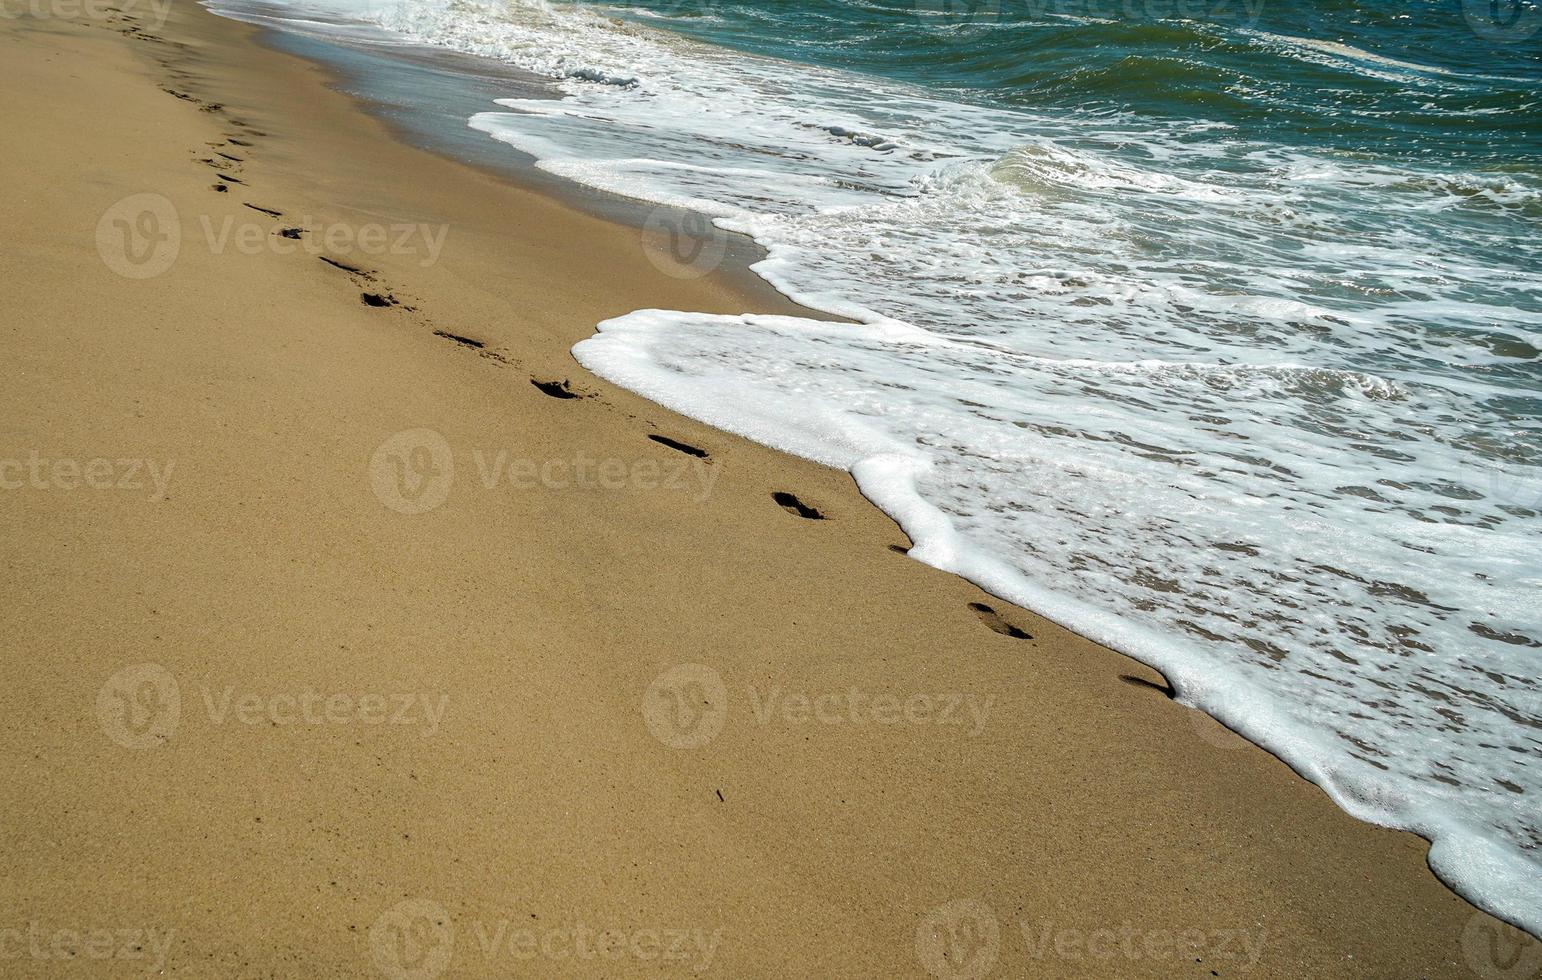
x,y
141,237
413,472
308,706
135,474
964,939
687,706
416,940
951,15
155,10
692,948
140,706
423,241
145,949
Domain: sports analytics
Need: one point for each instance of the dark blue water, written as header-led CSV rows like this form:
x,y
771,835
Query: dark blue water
x,y
1218,63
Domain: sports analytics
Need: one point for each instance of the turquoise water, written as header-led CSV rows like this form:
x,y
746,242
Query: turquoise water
x,y
1217,338
1222,64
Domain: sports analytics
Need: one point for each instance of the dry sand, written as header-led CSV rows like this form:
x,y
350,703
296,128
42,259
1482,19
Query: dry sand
x,y
259,721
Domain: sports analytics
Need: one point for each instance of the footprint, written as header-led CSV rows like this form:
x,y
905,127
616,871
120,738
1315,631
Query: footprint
x,y
1164,688
993,619
466,341
291,233
379,300
792,505
683,447
229,179
237,142
480,346
267,211
344,266
556,389
221,188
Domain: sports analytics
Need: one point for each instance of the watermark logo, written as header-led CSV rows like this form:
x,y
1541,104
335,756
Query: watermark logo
x,y
1503,21
412,940
140,236
683,244
139,706
1498,951
685,706
107,10
412,471
1516,488
959,940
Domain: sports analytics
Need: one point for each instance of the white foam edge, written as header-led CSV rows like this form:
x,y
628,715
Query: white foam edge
x,y
1488,873
1461,856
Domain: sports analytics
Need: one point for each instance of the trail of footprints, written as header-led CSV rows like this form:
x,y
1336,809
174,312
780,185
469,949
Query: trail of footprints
x,y
229,169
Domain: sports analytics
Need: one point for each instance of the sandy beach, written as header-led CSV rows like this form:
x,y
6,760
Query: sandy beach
x,y
354,629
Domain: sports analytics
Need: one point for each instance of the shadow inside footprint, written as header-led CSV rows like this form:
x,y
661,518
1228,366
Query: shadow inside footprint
x,y
464,341
683,447
345,267
556,389
1165,689
993,619
792,505
378,301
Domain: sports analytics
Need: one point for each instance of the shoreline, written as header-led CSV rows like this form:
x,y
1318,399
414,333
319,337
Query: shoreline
x,y
424,127
1450,845
544,617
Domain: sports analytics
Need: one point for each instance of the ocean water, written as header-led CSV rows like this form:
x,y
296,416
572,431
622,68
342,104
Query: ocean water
x,y
1209,329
